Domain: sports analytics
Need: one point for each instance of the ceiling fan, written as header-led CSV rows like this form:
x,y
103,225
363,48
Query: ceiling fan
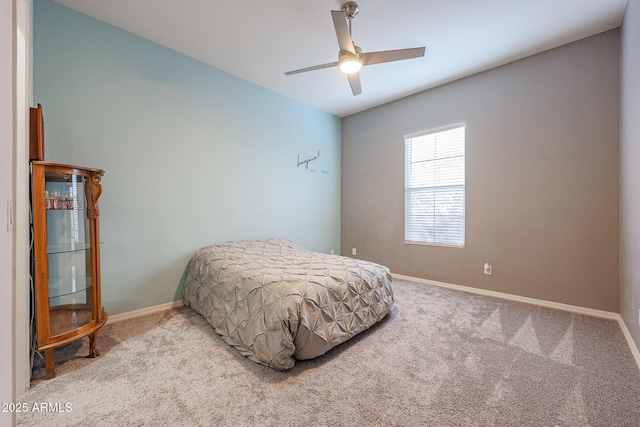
x,y
351,58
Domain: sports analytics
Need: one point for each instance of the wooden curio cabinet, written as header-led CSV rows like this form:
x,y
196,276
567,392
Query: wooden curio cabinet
x,y
66,256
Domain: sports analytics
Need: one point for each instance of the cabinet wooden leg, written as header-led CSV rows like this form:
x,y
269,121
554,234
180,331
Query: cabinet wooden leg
x,y
49,364
93,351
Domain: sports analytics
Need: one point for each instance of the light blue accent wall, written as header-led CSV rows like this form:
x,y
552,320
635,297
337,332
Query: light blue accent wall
x,y
192,155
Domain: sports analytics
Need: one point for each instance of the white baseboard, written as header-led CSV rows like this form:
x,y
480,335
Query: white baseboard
x,y
630,341
535,301
502,295
137,313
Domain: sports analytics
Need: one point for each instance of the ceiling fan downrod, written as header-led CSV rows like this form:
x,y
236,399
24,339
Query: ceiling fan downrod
x,y
350,10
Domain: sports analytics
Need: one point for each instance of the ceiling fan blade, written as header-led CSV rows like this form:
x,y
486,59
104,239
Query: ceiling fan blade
x,y
354,82
315,67
342,31
371,58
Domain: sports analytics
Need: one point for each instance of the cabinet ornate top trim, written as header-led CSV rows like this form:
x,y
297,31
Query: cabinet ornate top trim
x,y
66,166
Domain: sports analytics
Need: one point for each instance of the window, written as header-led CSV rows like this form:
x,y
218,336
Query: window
x,y
434,187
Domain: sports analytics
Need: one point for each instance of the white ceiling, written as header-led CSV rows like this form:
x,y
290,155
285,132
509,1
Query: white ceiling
x,y
258,40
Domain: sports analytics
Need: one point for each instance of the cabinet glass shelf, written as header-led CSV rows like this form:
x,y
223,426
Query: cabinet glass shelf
x,y
60,248
62,286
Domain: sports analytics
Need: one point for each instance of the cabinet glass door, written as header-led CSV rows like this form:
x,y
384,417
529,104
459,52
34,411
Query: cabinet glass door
x,y
68,252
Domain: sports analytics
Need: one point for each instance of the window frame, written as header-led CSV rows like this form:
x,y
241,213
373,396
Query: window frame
x,y
431,131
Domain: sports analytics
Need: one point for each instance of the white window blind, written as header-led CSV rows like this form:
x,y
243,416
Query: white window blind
x,y
434,187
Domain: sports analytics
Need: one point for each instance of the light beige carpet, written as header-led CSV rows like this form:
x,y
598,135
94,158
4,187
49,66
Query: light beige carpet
x,y
443,358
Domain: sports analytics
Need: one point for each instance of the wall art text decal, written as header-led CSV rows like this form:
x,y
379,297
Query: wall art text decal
x,y
306,161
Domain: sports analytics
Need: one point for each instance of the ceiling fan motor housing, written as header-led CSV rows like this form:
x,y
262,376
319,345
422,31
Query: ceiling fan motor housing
x,y
350,9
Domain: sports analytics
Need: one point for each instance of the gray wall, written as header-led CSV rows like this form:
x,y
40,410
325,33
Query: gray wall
x,y
630,170
541,171
192,154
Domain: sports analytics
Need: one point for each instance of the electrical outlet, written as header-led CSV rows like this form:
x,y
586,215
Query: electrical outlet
x,y
487,268
353,251
332,252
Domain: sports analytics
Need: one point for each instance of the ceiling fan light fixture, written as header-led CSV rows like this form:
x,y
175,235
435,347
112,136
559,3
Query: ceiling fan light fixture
x,y
349,64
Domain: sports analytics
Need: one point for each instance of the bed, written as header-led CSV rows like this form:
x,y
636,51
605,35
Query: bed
x,y
276,302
